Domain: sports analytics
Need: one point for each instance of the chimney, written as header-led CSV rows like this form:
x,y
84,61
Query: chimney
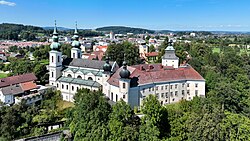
x,y
142,68
150,67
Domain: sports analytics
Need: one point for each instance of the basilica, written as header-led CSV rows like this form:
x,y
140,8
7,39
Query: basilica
x,y
168,81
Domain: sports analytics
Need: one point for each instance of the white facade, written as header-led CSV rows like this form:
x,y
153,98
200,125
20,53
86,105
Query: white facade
x,y
55,66
76,53
9,99
166,92
171,62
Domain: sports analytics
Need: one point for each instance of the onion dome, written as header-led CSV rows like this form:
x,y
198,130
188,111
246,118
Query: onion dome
x,y
170,45
107,67
76,43
124,73
55,44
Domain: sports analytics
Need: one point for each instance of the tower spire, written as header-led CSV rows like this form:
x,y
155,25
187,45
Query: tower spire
x,y
76,43
55,29
55,45
76,32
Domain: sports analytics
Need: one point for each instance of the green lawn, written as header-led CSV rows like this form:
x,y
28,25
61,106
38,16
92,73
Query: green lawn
x,y
241,50
216,50
44,61
3,75
64,104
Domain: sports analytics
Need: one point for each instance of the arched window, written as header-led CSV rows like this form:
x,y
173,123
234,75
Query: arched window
x,y
69,75
79,76
90,78
52,59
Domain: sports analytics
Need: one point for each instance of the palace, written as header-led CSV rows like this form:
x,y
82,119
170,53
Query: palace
x,y
168,81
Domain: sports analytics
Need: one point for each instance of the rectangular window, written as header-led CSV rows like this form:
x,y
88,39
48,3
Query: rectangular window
x,y
171,86
156,88
166,87
196,92
162,95
153,88
58,58
73,55
143,90
171,94
188,92
176,93
162,87
124,96
183,84
112,96
196,85
52,74
187,84
182,92
62,86
166,94
176,86
123,85
149,89
157,95
67,87
116,98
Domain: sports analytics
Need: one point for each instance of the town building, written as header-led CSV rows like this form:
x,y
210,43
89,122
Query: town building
x,y
19,88
168,81
70,74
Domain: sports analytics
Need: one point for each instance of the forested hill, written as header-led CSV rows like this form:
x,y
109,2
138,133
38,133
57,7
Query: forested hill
x,y
11,31
124,30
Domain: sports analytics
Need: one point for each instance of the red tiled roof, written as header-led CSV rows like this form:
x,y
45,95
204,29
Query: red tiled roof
x,y
17,79
153,73
28,86
151,54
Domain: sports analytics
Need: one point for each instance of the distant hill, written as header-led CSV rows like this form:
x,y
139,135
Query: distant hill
x,y
124,30
59,28
11,31
9,27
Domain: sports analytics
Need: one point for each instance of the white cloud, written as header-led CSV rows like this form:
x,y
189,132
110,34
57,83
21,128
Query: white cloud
x,y
2,2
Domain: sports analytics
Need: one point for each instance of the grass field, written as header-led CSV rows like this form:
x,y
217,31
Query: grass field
x,y
241,50
216,50
64,104
44,61
3,75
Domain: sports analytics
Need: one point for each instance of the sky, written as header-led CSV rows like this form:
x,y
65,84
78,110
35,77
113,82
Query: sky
x,y
209,15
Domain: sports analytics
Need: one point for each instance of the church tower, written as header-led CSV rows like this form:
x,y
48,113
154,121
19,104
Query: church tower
x,y
55,59
106,75
76,50
124,82
169,58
